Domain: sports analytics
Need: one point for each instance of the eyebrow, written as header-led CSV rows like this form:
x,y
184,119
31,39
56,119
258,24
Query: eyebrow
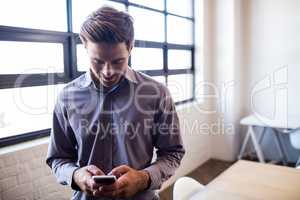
x,y
117,59
97,59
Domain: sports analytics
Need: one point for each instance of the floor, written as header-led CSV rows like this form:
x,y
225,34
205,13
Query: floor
x,y
204,174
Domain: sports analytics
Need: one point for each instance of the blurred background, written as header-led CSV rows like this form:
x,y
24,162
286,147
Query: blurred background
x,y
222,60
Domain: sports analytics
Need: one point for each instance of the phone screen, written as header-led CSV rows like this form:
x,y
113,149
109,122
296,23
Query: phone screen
x,y
105,179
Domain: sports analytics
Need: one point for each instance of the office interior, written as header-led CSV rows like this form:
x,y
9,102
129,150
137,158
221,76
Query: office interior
x,y
223,61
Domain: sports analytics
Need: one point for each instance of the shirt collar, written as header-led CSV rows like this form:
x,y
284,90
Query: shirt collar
x,y
129,75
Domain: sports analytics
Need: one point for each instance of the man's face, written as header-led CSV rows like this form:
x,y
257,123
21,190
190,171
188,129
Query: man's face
x,y
109,62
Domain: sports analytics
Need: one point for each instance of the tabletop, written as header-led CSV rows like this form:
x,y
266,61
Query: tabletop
x,y
247,180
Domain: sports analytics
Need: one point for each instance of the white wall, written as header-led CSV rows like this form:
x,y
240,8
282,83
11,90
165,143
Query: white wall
x,y
271,54
225,76
252,43
196,139
274,38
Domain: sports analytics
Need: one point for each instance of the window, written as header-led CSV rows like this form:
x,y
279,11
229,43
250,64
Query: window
x,y
81,9
180,7
19,110
157,4
184,29
34,14
179,59
149,25
147,58
161,79
82,58
38,57
165,44
30,57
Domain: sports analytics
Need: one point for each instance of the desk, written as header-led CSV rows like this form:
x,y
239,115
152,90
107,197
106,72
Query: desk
x,y
278,126
246,180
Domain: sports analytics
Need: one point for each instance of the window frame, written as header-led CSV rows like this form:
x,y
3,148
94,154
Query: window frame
x,y
69,40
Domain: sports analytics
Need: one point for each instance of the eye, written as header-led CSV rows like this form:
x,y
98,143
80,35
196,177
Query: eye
x,y
98,62
120,61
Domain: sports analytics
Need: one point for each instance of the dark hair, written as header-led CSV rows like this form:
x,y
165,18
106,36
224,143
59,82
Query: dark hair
x,y
108,25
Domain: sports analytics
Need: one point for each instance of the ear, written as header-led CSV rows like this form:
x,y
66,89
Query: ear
x,y
130,47
85,44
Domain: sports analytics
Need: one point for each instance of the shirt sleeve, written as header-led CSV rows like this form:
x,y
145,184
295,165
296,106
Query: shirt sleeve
x,y
167,141
62,154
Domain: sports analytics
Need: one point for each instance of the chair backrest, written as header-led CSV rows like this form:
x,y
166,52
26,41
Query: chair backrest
x,y
185,187
295,139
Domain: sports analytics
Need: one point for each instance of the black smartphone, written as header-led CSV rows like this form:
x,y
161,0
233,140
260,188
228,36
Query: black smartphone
x,y
105,179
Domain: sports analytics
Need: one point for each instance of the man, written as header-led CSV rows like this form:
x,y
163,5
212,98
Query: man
x,y
110,119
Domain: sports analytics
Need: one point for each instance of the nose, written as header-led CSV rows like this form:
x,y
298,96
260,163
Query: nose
x,y
107,70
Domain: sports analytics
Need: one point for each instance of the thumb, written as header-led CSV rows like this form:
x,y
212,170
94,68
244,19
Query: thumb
x,y
120,170
94,170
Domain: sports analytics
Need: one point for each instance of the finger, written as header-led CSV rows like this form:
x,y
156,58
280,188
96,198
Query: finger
x,y
98,193
121,193
94,170
110,187
88,189
122,182
89,193
86,179
118,185
91,184
114,193
101,193
118,171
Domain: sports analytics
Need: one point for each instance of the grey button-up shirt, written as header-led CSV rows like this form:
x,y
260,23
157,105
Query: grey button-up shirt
x,y
121,126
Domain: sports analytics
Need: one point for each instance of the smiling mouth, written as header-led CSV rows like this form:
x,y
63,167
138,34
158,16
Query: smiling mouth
x,y
108,79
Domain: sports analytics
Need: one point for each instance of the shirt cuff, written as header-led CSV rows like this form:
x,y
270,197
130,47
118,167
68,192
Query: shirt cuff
x,y
154,174
69,172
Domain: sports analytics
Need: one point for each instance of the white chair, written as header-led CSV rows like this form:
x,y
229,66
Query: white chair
x,y
185,187
295,141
